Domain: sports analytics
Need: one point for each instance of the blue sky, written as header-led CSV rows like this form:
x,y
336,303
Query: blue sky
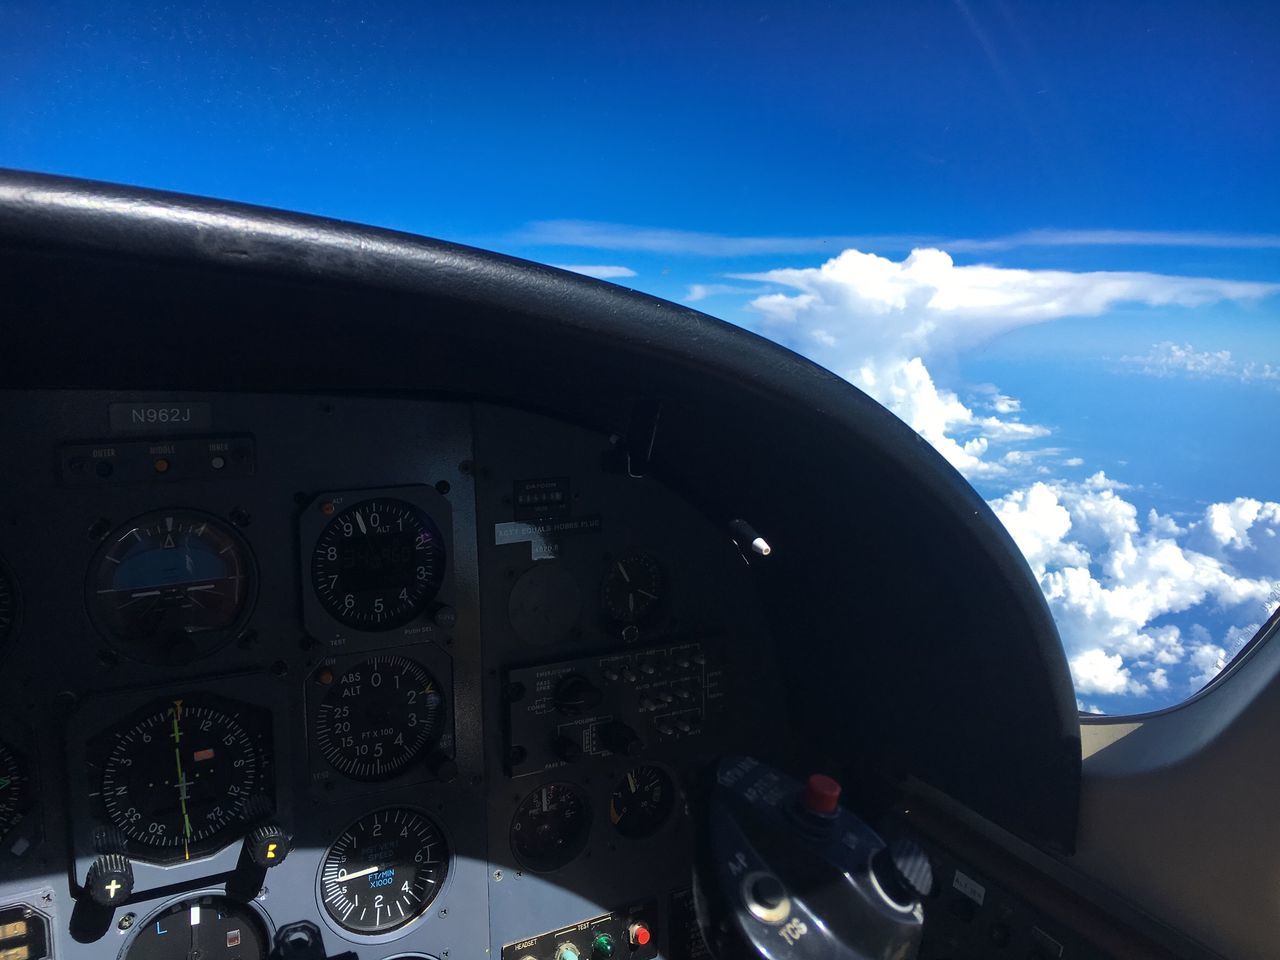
x,y
690,145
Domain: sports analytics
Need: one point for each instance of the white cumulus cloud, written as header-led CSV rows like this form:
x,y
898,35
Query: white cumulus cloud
x,y
1131,590
879,322
1111,580
1169,359
1230,523
926,302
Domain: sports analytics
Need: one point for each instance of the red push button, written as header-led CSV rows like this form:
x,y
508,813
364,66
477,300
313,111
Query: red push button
x,y
639,934
821,794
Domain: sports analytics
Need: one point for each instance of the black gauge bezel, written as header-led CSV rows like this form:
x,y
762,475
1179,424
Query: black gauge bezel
x,y
207,642
247,911
257,726
672,801
328,784
26,796
570,853
400,929
436,619
435,562
323,735
609,579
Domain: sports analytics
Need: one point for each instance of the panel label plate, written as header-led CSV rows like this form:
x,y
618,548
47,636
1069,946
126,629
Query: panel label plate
x,y
970,887
162,416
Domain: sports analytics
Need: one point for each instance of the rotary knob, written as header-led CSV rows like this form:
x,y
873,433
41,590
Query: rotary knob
x,y
268,845
903,871
575,695
621,739
110,880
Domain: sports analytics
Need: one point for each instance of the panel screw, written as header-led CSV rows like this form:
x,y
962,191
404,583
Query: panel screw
x,y
240,516
442,487
127,921
444,913
497,876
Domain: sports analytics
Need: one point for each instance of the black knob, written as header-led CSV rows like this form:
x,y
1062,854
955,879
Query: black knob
x,y
768,891
567,749
110,880
575,694
904,871
268,845
621,739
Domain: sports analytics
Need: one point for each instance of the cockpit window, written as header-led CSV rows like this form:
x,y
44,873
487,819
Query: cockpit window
x,y
1042,235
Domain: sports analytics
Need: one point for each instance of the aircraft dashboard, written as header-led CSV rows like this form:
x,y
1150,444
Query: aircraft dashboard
x,y
263,620
364,595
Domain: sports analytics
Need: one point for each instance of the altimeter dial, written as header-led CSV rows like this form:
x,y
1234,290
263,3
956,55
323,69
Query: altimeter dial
x,y
377,564
378,717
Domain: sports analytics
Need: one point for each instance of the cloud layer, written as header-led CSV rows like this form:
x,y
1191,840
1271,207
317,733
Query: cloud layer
x,y
592,234
1115,581
1149,608
861,303
1168,359
879,322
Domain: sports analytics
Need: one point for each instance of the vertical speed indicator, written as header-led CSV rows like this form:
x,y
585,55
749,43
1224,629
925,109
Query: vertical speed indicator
x,y
377,564
384,871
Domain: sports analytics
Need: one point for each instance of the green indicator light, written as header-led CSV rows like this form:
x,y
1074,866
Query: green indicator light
x,y
603,946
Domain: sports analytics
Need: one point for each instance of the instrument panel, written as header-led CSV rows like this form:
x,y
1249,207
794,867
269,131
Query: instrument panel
x,y
431,678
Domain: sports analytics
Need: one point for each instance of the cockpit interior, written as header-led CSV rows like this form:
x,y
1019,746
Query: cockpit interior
x,y
370,596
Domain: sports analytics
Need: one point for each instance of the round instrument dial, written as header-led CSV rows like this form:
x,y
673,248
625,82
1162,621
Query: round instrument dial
x,y
378,564
384,871
15,789
378,717
550,827
633,585
180,777
642,802
207,928
171,586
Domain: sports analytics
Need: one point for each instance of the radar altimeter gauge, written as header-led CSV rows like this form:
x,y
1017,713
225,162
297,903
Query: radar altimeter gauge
x,y
377,564
384,871
378,717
